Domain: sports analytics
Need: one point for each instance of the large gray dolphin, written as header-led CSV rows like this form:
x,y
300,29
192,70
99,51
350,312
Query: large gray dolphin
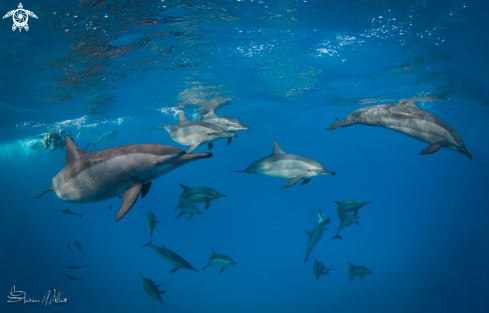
x,y
357,271
314,237
150,222
229,124
104,174
187,208
195,133
345,222
152,289
220,260
319,269
287,166
407,118
352,205
170,257
198,195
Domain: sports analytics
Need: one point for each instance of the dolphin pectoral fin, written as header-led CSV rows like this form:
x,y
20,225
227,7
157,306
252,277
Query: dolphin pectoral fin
x,y
190,217
128,200
358,223
176,206
181,213
193,147
207,205
206,266
143,245
42,194
356,212
432,148
222,270
337,237
210,145
229,140
162,292
292,182
176,268
337,123
360,278
145,189
157,221
305,181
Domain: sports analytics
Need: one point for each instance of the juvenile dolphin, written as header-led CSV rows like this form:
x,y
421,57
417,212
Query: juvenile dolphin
x,y
102,138
323,218
220,260
347,206
170,257
128,170
73,278
407,118
229,124
76,267
345,222
150,222
187,208
195,133
357,271
314,236
287,166
319,269
69,212
77,246
198,195
151,289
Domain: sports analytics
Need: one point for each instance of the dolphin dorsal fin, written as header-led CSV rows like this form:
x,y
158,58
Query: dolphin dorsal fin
x,y
182,116
72,151
141,275
408,103
351,265
185,188
276,148
309,233
213,252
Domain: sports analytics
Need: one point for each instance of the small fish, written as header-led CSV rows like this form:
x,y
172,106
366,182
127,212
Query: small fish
x,y
75,267
73,278
69,212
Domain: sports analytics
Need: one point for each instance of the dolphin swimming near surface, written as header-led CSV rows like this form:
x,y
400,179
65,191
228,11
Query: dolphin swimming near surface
x,y
314,237
195,133
323,218
220,260
102,138
187,208
229,124
287,166
152,289
73,278
198,195
150,222
407,118
69,212
319,269
128,170
170,257
347,206
345,222
76,267
357,271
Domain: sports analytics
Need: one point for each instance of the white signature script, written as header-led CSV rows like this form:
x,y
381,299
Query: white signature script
x,y
50,297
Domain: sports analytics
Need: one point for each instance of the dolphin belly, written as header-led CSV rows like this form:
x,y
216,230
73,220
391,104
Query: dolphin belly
x,y
189,135
199,198
286,169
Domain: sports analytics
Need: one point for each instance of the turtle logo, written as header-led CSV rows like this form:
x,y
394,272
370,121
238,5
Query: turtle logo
x,y
20,17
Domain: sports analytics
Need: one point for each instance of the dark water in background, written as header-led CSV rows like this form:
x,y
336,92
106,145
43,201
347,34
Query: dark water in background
x,y
287,69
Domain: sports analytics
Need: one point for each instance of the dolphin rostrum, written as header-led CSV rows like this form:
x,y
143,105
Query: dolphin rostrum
x,y
128,170
229,124
220,260
345,222
150,222
319,269
187,208
314,236
195,133
357,271
152,289
69,212
76,267
170,257
407,118
287,166
198,195
347,206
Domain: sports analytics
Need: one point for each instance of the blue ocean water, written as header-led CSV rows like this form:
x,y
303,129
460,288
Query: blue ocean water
x,y
286,69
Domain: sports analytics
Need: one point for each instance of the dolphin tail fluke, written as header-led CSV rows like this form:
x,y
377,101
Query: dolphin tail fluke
x,y
206,266
337,237
147,244
337,123
292,182
432,148
128,200
42,194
